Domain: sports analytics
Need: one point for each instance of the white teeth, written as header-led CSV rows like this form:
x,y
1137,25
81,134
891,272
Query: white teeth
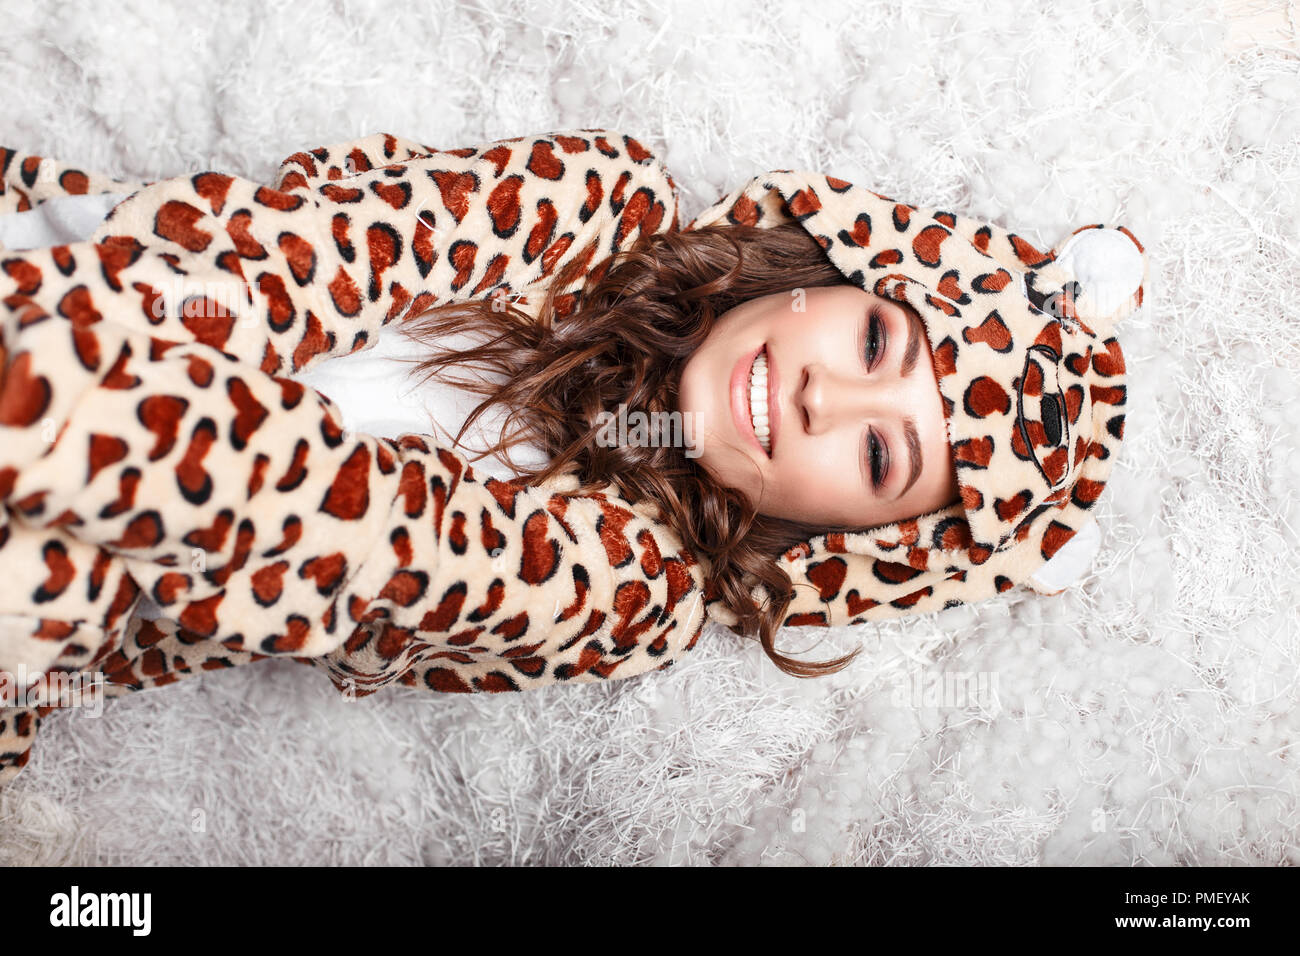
x,y
758,402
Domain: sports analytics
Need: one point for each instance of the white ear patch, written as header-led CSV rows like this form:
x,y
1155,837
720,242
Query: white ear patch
x,y
1109,269
1070,562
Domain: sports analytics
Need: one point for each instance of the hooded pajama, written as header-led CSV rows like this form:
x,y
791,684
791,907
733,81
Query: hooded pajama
x,y
153,442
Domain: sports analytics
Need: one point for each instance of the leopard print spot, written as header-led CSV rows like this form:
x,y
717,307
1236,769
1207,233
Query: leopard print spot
x,y
275,199
539,237
976,452
77,306
512,628
104,450
348,497
595,194
161,415
176,222
446,681
405,588
250,413
208,320
127,483
804,203
541,552
455,190
295,635
993,332
635,214
192,478
24,396
144,531
115,254
268,583
504,208
828,576
62,572
213,187
328,571
860,234
1008,510
926,245
1027,253
300,256
543,163
297,470
445,615
985,397
397,195
315,340
992,282
384,246
1054,538
237,227
462,255
344,294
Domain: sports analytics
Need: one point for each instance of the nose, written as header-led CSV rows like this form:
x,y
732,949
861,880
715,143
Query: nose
x,y
824,399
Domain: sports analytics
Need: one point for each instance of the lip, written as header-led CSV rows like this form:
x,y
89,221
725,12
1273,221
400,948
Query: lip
x,y
740,397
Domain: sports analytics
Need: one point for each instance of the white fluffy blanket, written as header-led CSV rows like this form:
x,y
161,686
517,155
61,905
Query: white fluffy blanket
x,y
1146,716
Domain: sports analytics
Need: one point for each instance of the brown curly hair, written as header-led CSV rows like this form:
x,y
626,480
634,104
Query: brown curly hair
x,y
623,338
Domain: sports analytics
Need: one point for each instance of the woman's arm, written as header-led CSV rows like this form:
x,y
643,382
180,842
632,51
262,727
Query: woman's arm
x,y
282,277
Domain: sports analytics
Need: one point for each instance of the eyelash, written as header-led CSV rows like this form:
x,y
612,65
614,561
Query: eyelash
x,y
874,318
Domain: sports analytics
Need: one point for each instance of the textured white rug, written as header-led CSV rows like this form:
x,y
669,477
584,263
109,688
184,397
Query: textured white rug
x,y
1147,716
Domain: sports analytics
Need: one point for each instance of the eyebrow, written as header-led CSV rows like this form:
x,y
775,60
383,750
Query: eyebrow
x,y
909,423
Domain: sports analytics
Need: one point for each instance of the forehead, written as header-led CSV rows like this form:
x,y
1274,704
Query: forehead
x,y
827,300
848,292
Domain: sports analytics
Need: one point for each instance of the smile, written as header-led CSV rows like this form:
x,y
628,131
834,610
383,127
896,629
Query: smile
x,y
753,399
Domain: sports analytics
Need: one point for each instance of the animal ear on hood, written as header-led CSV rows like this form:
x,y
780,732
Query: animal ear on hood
x,y
1097,277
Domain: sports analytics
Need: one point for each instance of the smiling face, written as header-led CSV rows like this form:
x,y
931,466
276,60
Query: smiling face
x,y
855,433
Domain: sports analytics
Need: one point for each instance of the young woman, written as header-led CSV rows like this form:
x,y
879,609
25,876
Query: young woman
x,y
858,408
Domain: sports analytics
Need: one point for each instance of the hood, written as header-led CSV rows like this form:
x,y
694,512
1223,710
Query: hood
x,y
1031,375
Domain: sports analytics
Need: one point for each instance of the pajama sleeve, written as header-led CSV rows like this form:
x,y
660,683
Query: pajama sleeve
x,y
168,438
288,276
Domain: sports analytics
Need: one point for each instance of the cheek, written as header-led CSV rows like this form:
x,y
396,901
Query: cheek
x,y
732,469
690,394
